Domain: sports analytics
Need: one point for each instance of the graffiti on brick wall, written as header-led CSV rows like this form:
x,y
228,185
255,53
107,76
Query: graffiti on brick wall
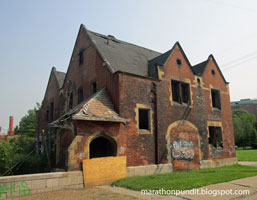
x,y
9,189
182,150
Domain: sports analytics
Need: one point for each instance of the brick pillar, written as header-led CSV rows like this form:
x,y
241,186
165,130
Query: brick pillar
x,y
10,131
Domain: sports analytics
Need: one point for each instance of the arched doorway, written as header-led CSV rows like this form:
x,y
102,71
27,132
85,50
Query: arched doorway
x,y
183,145
103,146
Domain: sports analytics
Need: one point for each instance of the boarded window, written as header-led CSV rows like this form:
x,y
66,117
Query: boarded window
x,y
93,87
180,92
80,94
71,100
144,119
51,111
215,136
215,95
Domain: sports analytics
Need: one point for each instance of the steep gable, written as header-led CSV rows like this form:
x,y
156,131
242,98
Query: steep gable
x,y
55,82
200,68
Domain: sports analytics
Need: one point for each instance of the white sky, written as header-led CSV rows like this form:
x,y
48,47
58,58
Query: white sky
x,y
36,35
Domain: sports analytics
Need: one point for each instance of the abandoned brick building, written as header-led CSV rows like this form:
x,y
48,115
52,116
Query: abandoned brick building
x,y
247,104
119,99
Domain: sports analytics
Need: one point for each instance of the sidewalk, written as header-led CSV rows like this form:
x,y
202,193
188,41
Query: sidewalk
x,y
249,183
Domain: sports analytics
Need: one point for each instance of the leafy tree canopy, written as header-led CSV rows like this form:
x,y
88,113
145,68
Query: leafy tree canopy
x,y
244,128
27,124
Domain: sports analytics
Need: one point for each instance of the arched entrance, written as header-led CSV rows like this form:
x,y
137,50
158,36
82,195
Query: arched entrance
x,y
183,145
103,146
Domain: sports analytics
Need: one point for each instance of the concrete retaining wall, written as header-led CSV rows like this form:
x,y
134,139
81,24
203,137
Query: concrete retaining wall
x,y
148,170
23,185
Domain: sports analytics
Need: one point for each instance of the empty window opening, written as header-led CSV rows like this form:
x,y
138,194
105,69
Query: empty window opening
x,y
47,115
198,81
80,94
213,72
180,92
93,87
103,147
215,137
144,119
215,95
81,58
51,111
71,100
179,62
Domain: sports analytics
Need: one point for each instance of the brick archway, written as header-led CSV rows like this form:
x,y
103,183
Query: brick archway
x,y
183,145
102,147
99,138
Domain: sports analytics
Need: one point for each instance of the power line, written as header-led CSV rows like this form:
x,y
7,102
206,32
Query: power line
x,y
240,60
238,63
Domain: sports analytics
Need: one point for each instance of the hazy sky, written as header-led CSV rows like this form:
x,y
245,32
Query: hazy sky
x,y
36,35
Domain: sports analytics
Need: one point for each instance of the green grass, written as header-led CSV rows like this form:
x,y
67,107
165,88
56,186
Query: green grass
x,y
185,180
246,155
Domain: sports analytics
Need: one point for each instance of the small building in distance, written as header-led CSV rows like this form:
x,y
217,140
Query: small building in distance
x,y
247,104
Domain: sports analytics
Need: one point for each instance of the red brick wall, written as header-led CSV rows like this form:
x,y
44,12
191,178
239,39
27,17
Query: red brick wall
x,y
135,90
91,70
87,128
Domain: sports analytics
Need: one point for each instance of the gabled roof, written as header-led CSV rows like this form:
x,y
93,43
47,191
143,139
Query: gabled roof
x,y
161,60
97,108
199,68
123,56
60,78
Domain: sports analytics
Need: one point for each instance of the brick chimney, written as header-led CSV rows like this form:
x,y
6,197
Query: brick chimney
x,y
10,131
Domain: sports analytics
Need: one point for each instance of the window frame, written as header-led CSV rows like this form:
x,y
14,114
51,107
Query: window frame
x,y
212,141
150,119
216,99
93,89
179,95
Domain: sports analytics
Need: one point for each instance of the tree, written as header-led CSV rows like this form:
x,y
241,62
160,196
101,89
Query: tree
x,y
27,124
18,155
244,128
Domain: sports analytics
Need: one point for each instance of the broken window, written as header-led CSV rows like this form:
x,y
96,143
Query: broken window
x,y
71,100
80,94
180,92
215,95
93,87
81,58
144,119
215,136
51,111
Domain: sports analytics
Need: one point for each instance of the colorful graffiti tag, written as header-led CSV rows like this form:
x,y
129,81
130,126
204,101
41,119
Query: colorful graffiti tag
x,y
182,150
8,189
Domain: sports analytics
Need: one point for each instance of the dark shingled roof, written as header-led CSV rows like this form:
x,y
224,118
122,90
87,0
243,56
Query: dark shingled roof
x,y
60,78
199,68
160,60
123,56
133,59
